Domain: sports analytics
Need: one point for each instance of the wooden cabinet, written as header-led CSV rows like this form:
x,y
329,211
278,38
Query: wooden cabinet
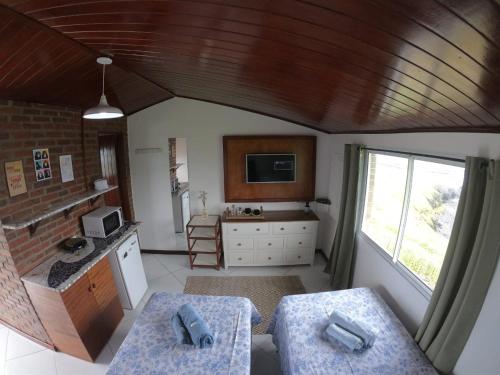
x,y
81,319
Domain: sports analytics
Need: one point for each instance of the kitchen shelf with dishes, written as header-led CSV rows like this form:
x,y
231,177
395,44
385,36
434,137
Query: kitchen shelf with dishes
x,y
204,236
66,206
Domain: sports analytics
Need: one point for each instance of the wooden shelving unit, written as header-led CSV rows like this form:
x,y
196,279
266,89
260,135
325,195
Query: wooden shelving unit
x,y
204,236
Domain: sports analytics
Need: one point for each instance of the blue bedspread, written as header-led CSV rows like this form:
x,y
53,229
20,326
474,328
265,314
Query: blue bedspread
x,y
150,347
299,321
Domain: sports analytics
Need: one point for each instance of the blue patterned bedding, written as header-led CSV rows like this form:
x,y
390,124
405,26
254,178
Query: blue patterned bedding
x,y
299,320
150,347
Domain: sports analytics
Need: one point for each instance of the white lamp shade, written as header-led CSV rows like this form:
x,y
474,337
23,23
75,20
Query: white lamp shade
x,y
102,111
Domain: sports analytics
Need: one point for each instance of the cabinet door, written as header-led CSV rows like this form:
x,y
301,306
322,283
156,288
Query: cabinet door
x,y
107,304
83,310
102,283
81,305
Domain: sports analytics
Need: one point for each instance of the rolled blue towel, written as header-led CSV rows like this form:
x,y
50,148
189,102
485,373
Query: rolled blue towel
x,y
198,330
334,333
355,327
181,333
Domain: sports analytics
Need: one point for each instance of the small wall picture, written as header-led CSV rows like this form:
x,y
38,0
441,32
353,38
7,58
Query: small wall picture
x,y
15,177
41,159
66,166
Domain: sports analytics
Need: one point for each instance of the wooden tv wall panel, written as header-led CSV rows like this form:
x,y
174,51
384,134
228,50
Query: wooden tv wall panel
x,y
237,190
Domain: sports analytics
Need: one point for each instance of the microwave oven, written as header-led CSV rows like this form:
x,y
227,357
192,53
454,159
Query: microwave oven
x,y
102,222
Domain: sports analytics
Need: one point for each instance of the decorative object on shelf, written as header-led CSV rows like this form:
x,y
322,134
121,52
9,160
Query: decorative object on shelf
x,y
204,236
203,196
101,184
307,208
41,159
243,214
66,166
15,177
103,110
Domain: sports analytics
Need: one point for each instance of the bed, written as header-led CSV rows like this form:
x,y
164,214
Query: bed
x,y
150,347
299,320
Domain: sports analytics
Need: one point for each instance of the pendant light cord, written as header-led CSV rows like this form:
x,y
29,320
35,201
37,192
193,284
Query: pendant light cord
x,y
103,74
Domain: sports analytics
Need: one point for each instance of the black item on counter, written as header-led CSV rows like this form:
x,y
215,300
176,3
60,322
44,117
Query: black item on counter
x,y
256,212
248,211
73,244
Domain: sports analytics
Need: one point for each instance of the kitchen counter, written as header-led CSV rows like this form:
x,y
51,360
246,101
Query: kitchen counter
x,y
183,187
40,274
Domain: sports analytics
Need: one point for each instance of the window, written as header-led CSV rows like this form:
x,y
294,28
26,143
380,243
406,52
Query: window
x,y
409,209
384,200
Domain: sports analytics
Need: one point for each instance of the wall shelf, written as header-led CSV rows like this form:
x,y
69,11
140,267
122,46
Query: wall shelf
x,y
176,166
66,207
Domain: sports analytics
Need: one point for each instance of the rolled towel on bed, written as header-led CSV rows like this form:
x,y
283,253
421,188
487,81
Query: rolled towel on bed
x,y
334,333
181,333
198,330
355,327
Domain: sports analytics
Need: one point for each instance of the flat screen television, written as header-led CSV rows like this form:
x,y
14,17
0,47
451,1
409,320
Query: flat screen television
x,y
270,168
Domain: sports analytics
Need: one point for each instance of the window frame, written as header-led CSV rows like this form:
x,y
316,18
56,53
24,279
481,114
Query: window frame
x,y
393,260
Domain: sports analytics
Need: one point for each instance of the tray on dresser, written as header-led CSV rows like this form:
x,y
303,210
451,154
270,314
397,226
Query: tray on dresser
x,y
244,217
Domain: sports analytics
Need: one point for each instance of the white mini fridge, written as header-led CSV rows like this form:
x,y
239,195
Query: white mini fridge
x,y
128,272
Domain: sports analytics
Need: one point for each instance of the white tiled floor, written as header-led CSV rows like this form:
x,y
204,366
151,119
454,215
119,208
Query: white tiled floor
x,y
20,356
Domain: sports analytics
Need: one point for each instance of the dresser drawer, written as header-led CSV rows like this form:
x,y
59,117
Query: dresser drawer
x,y
237,229
294,227
268,257
241,258
294,242
303,256
270,243
240,243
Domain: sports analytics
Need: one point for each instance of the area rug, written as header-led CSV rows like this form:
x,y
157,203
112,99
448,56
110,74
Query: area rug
x,y
264,291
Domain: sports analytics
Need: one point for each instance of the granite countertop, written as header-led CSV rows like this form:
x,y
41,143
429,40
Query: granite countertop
x,y
40,274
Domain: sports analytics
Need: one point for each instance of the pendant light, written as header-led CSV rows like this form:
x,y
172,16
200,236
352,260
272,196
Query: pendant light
x,y
103,110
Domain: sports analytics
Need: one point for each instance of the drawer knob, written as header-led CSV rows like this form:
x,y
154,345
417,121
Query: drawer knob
x,y
240,258
299,256
269,244
282,228
239,243
300,242
304,228
258,229
235,229
269,258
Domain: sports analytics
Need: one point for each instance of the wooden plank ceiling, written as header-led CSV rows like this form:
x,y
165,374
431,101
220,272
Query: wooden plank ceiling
x,y
340,66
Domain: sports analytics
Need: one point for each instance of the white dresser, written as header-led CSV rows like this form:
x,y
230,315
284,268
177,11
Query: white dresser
x,y
283,238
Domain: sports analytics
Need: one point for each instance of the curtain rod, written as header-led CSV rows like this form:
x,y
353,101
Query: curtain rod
x,y
414,154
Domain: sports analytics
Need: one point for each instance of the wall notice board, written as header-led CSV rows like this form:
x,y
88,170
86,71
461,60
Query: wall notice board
x,y
236,188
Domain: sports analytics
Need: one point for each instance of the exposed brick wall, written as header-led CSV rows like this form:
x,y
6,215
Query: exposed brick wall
x,y
16,309
24,127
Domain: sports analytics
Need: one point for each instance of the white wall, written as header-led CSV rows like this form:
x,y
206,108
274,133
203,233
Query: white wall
x,y
181,157
480,356
203,125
